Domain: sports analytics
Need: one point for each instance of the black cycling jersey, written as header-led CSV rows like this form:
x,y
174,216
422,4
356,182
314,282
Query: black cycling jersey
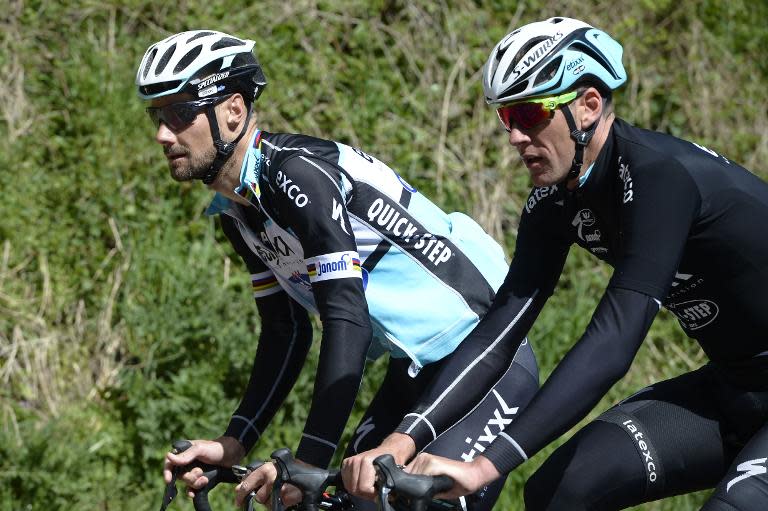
x,y
680,226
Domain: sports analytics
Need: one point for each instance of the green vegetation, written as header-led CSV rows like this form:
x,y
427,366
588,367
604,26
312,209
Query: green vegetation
x,y
126,322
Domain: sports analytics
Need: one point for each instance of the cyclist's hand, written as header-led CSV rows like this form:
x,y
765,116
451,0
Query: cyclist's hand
x,y
290,495
358,472
467,477
224,451
261,481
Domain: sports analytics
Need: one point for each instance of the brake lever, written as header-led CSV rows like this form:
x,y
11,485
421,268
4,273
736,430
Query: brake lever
x,y
178,447
417,490
384,483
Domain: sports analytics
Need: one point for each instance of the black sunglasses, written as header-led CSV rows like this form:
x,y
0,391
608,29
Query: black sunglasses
x,y
178,116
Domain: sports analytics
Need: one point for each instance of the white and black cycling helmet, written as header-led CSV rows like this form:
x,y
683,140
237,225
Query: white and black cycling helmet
x,y
201,63
550,57
209,66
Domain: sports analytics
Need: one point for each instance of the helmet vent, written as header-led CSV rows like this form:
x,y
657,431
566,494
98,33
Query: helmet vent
x,y
198,36
521,53
187,59
148,63
515,89
159,88
165,59
226,42
595,55
549,71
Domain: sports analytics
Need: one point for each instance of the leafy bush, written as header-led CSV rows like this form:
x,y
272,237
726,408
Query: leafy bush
x,y
126,320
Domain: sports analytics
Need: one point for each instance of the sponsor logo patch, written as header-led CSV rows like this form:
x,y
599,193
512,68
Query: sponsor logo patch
x,y
338,265
584,218
291,190
209,80
537,194
695,314
645,450
626,178
213,89
585,221
683,284
574,63
502,416
751,468
390,219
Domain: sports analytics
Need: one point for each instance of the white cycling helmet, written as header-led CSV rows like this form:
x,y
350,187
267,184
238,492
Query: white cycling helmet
x,y
201,63
549,57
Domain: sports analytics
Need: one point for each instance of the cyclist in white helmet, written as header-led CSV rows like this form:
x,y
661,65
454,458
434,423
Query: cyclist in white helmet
x,y
677,222
323,228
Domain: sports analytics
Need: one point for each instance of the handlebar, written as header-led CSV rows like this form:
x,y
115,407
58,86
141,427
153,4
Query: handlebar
x,y
411,491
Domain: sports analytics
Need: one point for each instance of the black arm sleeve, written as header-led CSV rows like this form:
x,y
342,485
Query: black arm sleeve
x,y
655,221
337,381
485,355
598,360
323,228
286,335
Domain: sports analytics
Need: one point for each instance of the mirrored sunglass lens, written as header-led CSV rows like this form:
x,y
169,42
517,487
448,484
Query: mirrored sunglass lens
x,y
503,114
524,115
527,115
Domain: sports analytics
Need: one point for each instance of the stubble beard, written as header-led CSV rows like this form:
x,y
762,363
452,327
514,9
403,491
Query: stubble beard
x,y
192,166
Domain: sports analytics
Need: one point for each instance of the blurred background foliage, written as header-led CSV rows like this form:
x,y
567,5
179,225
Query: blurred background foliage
x,y
126,322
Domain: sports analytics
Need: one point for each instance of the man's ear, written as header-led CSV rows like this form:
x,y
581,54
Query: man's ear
x,y
593,105
236,110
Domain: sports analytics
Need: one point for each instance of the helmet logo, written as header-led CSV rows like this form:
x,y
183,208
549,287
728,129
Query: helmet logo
x,y
212,79
535,55
574,63
213,89
577,66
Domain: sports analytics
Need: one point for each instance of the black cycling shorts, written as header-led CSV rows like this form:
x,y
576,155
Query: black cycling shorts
x,y
701,430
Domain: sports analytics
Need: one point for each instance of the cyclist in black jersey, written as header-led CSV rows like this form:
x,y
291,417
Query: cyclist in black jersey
x,y
324,228
681,225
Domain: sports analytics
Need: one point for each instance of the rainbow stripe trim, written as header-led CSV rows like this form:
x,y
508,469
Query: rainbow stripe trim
x,y
264,284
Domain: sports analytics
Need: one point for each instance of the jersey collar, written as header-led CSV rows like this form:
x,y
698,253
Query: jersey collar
x,y
583,178
250,172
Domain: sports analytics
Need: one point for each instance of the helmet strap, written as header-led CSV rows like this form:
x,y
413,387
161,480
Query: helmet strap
x,y
581,138
224,150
